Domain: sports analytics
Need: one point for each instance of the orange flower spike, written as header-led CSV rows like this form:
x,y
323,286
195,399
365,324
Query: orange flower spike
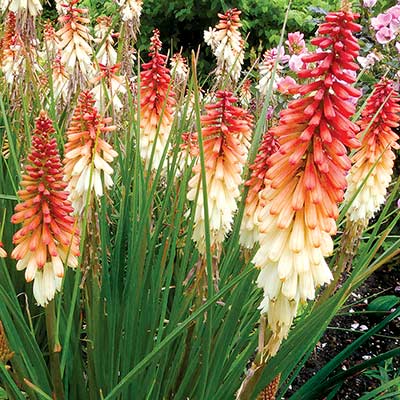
x,y
377,144
75,40
248,229
306,177
87,154
11,46
50,40
48,237
157,103
223,128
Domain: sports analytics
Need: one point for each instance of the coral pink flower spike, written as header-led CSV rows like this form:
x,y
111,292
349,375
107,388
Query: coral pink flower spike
x,y
11,50
48,237
306,177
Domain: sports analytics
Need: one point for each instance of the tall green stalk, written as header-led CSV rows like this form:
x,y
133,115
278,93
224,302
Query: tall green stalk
x,y
54,350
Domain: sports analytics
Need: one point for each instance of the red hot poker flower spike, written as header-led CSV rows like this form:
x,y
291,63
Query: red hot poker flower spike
x,y
306,178
87,155
157,101
376,155
249,229
48,237
225,128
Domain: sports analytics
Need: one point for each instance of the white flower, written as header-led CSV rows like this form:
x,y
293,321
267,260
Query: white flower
x,y
130,9
369,61
106,55
33,7
210,38
46,284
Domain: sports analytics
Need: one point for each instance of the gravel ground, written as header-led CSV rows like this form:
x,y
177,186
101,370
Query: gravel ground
x,y
345,329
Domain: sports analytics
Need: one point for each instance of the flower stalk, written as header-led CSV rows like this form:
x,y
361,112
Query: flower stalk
x,y
54,350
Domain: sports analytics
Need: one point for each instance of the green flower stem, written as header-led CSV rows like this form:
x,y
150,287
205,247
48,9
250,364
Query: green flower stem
x,y
54,350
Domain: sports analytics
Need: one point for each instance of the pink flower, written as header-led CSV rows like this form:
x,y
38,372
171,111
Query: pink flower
x,y
394,24
369,60
384,35
398,47
270,112
287,85
381,21
296,63
394,11
369,3
271,55
296,43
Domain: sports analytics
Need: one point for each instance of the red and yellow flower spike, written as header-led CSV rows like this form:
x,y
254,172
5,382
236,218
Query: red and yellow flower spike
x,y
11,50
223,129
87,154
249,229
157,102
376,155
306,178
48,237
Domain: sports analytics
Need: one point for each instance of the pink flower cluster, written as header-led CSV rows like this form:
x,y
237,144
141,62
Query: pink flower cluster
x,y
297,49
387,24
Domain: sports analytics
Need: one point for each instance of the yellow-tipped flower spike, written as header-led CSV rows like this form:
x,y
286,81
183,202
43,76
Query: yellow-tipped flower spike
x,y
75,40
223,129
376,155
87,155
306,177
227,45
